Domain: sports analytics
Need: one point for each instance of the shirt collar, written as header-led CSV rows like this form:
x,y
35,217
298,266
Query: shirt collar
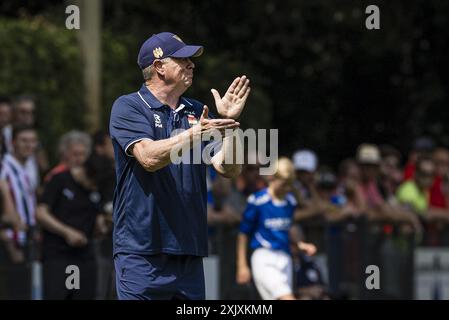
x,y
150,100
183,103
153,103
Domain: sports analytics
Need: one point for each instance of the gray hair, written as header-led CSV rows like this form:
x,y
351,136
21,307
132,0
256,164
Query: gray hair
x,y
74,137
149,71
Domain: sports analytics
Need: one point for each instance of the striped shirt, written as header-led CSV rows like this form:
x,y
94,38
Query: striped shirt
x,y
21,190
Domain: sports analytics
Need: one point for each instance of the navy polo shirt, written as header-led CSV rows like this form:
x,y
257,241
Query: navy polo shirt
x,y
162,211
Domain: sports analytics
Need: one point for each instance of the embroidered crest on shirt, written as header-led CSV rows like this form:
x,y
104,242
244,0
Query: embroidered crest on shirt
x,y
157,121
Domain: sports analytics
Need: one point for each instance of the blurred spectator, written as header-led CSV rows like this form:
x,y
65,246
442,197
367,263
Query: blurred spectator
x,y
368,159
220,211
350,187
441,160
306,163
74,148
14,172
24,108
438,212
414,193
9,218
103,161
326,186
390,172
250,181
18,244
309,203
10,221
422,146
68,212
103,156
24,115
5,121
334,202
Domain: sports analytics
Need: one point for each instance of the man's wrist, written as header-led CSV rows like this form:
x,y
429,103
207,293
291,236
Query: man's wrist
x,y
223,116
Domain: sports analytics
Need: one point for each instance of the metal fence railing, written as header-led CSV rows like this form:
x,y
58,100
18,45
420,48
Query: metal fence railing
x,y
349,246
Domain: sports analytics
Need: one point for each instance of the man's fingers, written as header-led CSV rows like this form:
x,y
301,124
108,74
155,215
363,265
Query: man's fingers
x,y
245,88
233,85
229,126
221,122
240,84
216,95
246,94
205,113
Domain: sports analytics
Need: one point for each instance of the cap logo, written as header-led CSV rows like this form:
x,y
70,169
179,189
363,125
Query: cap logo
x,y
177,38
158,52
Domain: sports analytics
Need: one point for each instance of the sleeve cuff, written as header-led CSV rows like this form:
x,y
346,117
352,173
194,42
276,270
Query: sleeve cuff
x,y
133,142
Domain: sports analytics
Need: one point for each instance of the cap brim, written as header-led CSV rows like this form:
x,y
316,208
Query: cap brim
x,y
188,52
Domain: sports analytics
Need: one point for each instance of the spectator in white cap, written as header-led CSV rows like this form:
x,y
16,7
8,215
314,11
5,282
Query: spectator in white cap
x,y
368,158
305,162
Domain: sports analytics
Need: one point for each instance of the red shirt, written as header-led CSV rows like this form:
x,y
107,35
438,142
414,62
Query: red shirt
x,y
409,170
437,199
372,195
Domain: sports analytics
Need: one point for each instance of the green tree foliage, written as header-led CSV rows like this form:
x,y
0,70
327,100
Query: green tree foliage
x,y
328,83
43,60
317,73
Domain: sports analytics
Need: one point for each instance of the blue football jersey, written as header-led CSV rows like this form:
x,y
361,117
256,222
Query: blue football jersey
x,y
267,221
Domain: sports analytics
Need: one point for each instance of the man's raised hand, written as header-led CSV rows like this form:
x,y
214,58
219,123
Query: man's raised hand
x,y
231,105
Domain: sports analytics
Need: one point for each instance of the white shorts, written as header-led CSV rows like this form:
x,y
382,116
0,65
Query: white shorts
x,y
272,273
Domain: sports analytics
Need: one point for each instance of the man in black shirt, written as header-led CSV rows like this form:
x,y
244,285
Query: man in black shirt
x,y
67,212
103,157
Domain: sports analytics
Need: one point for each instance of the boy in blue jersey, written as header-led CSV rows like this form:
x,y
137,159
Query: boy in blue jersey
x,y
267,227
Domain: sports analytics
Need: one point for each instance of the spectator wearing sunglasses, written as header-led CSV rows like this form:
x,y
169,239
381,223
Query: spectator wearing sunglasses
x,y
414,193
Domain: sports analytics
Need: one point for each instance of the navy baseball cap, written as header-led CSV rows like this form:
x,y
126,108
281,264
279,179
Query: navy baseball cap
x,y
163,45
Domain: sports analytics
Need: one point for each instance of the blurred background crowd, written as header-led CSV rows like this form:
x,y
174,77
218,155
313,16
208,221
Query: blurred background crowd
x,y
361,113
373,208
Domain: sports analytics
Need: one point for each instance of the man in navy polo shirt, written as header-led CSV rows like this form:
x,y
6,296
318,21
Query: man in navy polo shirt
x,y
160,225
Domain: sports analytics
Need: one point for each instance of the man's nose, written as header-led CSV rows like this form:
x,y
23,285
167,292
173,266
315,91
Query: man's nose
x,y
190,64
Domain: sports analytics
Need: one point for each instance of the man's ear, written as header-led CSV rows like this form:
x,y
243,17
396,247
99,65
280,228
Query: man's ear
x,y
158,67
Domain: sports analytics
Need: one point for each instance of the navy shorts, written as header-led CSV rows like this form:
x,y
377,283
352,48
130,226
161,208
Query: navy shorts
x,y
159,277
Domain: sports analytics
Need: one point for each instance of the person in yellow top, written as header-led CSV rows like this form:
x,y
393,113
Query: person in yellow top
x,y
414,193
